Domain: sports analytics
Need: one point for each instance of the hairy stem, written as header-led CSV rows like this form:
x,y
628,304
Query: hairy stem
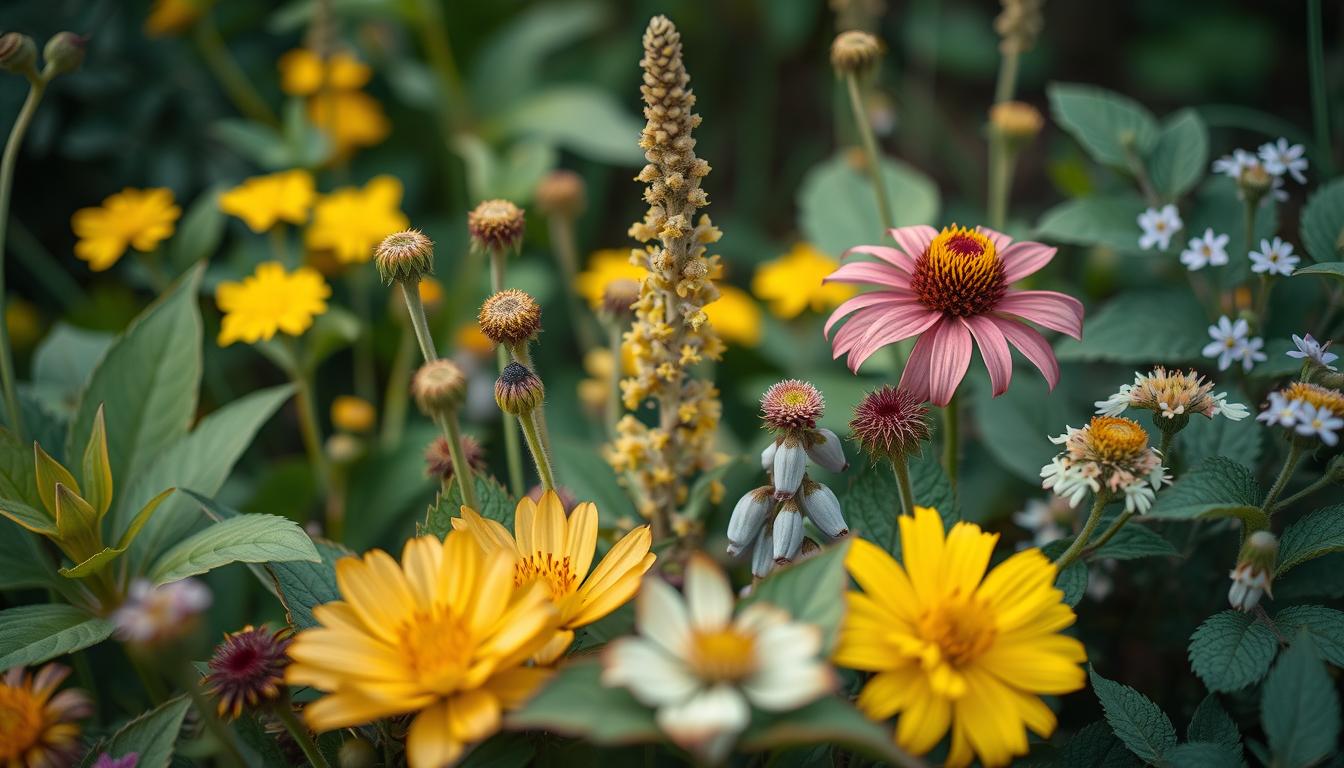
x,y
869,150
538,448
410,291
452,432
1075,549
566,254
513,450
901,468
1285,474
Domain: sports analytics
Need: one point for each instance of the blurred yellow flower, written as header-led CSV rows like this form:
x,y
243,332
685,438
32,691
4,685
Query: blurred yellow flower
x,y
131,218
270,300
605,266
352,414
431,293
735,316
301,72
350,119
350,222
38,724
172,17
471,340
261,201
792,283
23,322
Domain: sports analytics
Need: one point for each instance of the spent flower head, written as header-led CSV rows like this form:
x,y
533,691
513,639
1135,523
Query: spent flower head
x,y
890,423
561,193
247,670
496,226
404,256
855,51
439,387
1171,394
510,317
791,405
439,457
1111,455
518,390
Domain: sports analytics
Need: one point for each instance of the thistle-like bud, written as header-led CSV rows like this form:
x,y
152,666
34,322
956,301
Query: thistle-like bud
x,y
496,226
1254,575
890,423
618,299
247,670
18,54
822,507
63,53
1015,121
439,387
788,532
561,193
510,317
748,516
855,52
518,390
768,456
407,255
789,467
791,405
823,447
763,554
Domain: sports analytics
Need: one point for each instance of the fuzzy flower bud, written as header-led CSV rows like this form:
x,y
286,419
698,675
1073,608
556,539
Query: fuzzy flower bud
x,y
789,467
561,193
1254,575
518,390
748,516
768,456
510,317
18,54
64,52
407,255
823,447
438,387
788,532
248,670
890,423
496,226
822,507
855,52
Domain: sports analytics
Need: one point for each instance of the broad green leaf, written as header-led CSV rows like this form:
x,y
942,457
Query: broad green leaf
x,y
1317,533
1104,122
97,468
1180,157
1096,745
521,168
872,502
837,211
608,715
1110,220
494,501
1201,754
1325,625
17,472
332,331
1219,487
23,563
511,62
825,721
1134,718
199,234
1299,707
246,539
503,750
32,634
1319,579
34,520
1211,723
1323,226
584,472
62,364
812,591
1141,327
393,481
152,735
1203,438
1016,426
583,119
259,143
1232,650
1333,269
147,382
1133,542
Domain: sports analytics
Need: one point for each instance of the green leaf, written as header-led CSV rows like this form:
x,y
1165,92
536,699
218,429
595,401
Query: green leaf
x,y
62,364
1333,269
1323,226
1017,425
1103,122
200,232
1203,438
520,169
1104,220
582,119
1201,755
812,591
1219,487
1133,542
825,721
259,143
100,560
246,539
585,473
1180,157
1141,327
1096,745
1325,625
152,735
1134,718
837,210
96,469
1232,650
1211,723
512,60
495,504
34,520
23,563
1299,707
1072,581
147,382
872,502
332,331
32,634
608,715
503,750
1315,534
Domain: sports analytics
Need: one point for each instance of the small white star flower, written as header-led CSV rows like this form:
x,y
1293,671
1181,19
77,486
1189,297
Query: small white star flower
x,y
1234,164
1274,258
1280,157
1252,352
1159,226
1309,348
1281,412
1319,423
1229,341
1210,249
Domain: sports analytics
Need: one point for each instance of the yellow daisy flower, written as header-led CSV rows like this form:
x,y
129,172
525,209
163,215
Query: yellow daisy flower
x,y
792,283
173,17
735,316
270,300
550,549
37,724
604,266
351,119
301,72
350,222
131,218
352,414
950,646
262,201
444,635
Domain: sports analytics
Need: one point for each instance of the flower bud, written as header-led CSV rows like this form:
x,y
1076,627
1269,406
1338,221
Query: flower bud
x,y
561,193
1254,574
64,52
18,54
855,51
823,509
496,226
247,670
344,448
438,387
823,447
1255,182
768,456
352,414
407,255
518,390
789,467
1015,121
788,532
748,516
763,555
510,318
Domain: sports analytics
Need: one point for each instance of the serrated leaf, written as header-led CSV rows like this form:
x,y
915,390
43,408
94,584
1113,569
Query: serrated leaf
x,y
242,539
1096,745
872,502
812,591
1134,718
1111,221
1325,625
1211,723
32,634
494,501
825,721
1180,156
1219,487
1104,122
1299,707
1231,650
1323,225
837,210
1133,542
152,735
608,715
1203,438
1201,754
1316,534
1142,327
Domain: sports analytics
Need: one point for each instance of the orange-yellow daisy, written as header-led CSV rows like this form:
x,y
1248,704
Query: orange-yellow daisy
x,y
792,283
735,316
263,201
131,218
270,300
37,724
953,647
604,267
350,119
351,221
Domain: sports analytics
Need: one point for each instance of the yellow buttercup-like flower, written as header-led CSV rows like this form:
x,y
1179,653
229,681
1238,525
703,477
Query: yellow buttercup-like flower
x,y
605,266
555,550
351,221
953,647
444,635
262,201
301,72
350,119
792,283
735,316
270,300
132,218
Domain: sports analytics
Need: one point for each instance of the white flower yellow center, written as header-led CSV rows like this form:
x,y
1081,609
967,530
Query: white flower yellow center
x,y
723,655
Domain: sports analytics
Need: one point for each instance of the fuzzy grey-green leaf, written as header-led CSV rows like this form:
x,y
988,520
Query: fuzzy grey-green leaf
x,y
1299,707
1316,534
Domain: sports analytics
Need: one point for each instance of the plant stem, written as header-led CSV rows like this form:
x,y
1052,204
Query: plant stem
x,y
1320,483
1140,173
410,291
308,425
1164,448
365,375
566,253
36,88
512,449
211,721
1006,84
1286,473
1002,161
869,150
538,448
1320,105
149,679
285,714
1075,549
230,76
452,432
951,448
279,245
901,468
395,399
1110,532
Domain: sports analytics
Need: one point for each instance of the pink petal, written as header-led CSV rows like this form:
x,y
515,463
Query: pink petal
x,y
1001,241
1051,309
1032,345
891,328
854,329
913,240
859,302
1024,258
915,377
869,272
994,350
949,359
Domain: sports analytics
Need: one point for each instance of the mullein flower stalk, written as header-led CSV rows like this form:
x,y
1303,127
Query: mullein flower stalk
x,y
671,333
560,198
854,54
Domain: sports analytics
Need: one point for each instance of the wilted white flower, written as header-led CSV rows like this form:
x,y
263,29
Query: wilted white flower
x,y
1280,157
1275,258
1159,225
1171,394
1319,422
1208,250
1254,575
153,614
1310,349
1110,453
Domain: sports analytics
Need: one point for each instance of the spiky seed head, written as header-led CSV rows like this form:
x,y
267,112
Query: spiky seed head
x,y
890,423
407,255
439,387
439,458
855,51
496,226
247,670
510,317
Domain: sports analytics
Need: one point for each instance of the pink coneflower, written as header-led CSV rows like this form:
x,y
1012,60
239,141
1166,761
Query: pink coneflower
x,y
950,288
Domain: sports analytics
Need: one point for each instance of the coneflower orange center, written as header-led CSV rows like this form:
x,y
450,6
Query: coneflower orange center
x,y
959,273
723,655
20,722
1316,395
1115,439
554,570
961,628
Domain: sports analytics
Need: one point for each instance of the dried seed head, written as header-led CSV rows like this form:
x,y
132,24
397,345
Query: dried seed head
x,y
438,387
890,423
561,193
510,317
496,226
619,297
248,670
791,404
855,52
518,390
1016,121
407,255
18,54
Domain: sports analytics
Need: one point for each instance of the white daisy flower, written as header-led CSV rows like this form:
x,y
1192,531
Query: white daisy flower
x,y
1309,348
1320,423
1280,412
1275,258
1235,164
1229,341
703,670
1280,157
1252,352
1211,249
1158,227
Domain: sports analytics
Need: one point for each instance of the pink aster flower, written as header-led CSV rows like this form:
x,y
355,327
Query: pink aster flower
x,y
951,289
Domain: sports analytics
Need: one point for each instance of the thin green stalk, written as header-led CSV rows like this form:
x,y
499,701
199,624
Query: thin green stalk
x,y
149,678
951,440
439,51
1002,160
1320,483
365,376
1110,531
869,149
36,88
566,254
452,433
901,468
1006,84
285,714
1285,474
1164,447
1320,105
410,291
395,399
309,430
206,711
231,76
513,450
538,448
1075,549
279,245
1140,173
